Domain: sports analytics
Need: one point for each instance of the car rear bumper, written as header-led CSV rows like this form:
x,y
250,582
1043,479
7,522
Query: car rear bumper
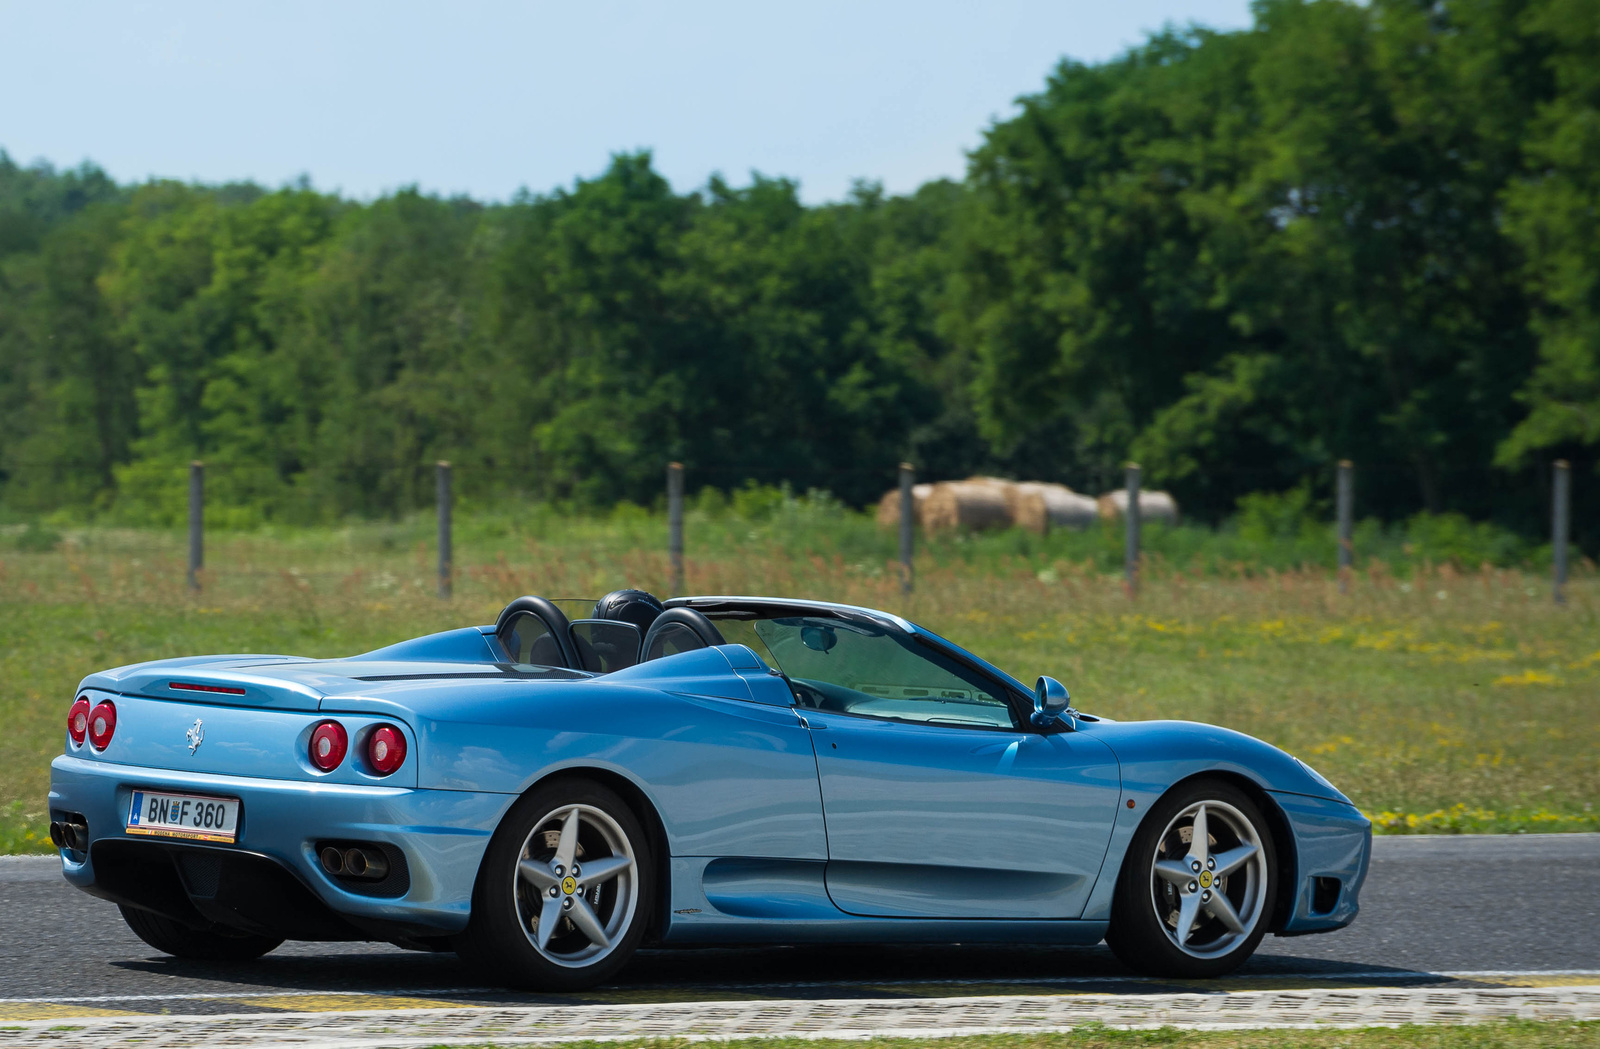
x,y
1333,844
441,835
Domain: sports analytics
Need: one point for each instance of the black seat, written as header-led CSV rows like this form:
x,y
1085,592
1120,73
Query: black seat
x,y
679,630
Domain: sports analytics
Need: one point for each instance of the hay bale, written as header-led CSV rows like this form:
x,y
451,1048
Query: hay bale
x,y
889,506
1153,506
975,504
1039,507
1027,508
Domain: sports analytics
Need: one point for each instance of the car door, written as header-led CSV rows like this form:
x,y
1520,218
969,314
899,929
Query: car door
x,y
938,801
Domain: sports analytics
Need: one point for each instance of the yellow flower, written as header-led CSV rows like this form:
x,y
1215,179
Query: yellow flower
x,y
1528,677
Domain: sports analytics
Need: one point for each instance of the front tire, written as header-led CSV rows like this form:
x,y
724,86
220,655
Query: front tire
x,y
179,940
562,898
1198,884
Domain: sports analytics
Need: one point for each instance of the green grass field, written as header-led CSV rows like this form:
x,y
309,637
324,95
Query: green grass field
x,y
1440,698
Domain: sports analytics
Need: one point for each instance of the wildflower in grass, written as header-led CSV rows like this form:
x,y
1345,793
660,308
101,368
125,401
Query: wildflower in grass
x,y
1528,677
1466,819
1590,660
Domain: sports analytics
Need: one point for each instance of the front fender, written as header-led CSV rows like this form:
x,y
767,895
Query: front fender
x,y
1156,754
1320,827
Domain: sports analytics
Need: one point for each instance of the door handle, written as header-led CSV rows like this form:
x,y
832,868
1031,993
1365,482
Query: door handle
x,y
804,723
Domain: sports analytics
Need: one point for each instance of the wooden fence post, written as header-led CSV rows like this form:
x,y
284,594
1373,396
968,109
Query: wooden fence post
x,y
1345,499
908,513
446,554
675,525
1130,553
197,513
1560,528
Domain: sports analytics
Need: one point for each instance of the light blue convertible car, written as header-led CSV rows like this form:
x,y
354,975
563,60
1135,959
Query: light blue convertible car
x,y
544,795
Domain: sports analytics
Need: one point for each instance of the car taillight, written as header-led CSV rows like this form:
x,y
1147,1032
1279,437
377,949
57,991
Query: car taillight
x,y
78,720
328,745
386,749
102,723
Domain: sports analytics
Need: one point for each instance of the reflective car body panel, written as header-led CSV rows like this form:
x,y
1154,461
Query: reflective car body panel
x,y
1154,755
776,822
940,821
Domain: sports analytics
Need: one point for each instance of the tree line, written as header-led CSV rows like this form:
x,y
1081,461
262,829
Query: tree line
x,y
1351,231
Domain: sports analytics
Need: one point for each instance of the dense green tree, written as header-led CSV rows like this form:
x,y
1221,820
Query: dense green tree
x,y
67,412
1352,230
1554,215
1243,256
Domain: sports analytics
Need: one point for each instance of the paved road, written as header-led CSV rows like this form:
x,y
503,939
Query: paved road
x,y
1431,904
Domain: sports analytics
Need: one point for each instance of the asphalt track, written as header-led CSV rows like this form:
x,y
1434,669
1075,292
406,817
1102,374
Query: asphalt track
x,y
1469,911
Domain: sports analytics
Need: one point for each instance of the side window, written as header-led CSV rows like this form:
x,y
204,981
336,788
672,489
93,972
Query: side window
x,y
860,669
527,640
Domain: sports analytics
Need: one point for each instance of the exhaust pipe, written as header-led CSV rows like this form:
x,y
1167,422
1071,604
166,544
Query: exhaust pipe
x,y
354,861
366,863
70,834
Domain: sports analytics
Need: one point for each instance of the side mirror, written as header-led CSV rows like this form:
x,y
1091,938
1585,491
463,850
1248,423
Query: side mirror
x,y
1050,701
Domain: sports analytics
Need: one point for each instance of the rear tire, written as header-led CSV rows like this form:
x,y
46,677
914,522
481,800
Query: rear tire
x,y
562,898
1223,890
180,941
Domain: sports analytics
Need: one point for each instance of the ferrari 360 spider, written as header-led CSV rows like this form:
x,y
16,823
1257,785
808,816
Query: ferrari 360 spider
x,y
543,795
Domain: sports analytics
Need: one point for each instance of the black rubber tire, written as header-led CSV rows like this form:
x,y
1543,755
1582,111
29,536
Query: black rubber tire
x,y
494,944
180,941
1136,934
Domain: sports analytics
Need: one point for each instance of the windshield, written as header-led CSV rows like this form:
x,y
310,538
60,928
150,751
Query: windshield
x,y
871,670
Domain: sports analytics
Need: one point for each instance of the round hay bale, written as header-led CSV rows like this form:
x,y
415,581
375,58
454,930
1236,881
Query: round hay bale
x,y
1039,506
888,515
1027,507
974,505
1153,506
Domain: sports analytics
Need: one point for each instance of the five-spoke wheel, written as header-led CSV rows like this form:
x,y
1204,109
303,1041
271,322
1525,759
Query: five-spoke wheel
x,y
1196,891
561,898
576,885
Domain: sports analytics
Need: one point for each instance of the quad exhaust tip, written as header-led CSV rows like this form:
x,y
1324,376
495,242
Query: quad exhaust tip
x,y
354,861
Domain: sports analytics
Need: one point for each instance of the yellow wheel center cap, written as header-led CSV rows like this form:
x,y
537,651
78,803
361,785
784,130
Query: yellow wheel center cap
x,y
1205,880
569,885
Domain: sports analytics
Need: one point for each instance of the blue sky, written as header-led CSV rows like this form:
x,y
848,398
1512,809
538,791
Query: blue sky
x,y
485,98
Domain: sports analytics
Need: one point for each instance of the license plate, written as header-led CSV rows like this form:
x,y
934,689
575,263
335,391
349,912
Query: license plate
x,y
192,816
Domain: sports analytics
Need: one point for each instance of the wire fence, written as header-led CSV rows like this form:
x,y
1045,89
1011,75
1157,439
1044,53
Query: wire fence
x,y
905,474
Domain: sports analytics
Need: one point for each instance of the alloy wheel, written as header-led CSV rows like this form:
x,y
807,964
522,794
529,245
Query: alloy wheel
x,y
576,885
1208,879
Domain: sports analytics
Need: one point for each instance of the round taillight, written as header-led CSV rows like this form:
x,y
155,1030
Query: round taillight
x,y
328,745
102,723
78,721
386,749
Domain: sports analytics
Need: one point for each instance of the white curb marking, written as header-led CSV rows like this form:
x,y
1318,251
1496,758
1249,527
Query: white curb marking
x,y
920,1018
